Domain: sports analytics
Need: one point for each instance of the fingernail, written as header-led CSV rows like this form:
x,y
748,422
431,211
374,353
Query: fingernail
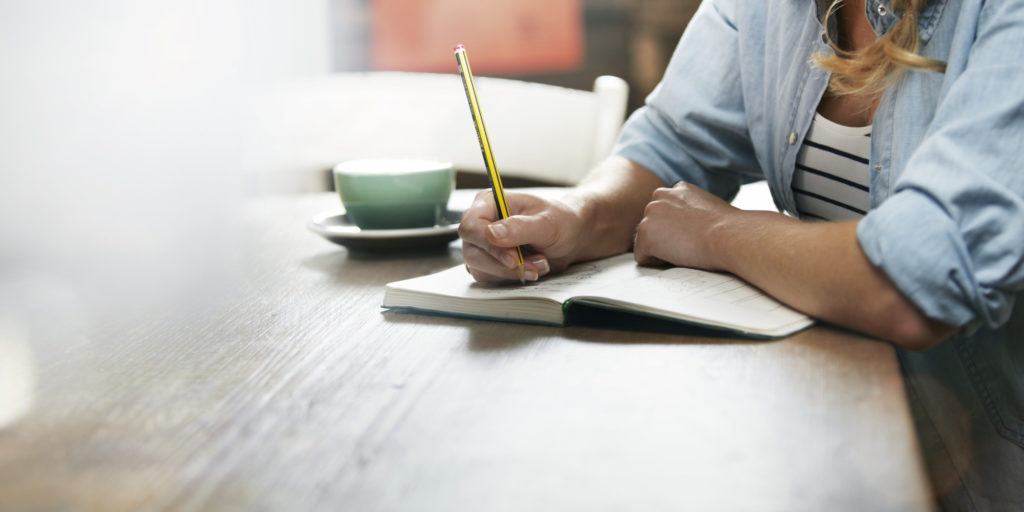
x,y
508,260
530,275
498,230
541,264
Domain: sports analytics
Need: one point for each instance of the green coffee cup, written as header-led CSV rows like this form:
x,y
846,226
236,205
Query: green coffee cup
x,y
393,193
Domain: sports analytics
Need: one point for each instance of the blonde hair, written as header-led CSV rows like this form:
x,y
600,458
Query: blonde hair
x,y
872,69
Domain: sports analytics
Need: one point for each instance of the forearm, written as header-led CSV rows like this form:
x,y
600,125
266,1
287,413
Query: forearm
x,y
611,200
819,268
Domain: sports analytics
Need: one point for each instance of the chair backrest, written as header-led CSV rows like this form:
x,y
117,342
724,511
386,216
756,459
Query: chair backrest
x,y
542,132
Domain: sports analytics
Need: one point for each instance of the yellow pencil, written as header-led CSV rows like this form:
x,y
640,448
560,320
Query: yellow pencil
x,y
485,143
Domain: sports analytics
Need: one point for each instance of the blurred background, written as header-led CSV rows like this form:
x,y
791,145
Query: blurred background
x,y
132,131
559,42
304,127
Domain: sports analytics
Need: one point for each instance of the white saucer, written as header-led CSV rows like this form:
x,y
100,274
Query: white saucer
x,y
336,227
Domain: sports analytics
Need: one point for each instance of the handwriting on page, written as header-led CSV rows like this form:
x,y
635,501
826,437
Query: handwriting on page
x,y
573,278
577,280
690,283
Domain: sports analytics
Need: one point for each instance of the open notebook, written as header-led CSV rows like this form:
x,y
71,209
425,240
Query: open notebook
x,y
709,299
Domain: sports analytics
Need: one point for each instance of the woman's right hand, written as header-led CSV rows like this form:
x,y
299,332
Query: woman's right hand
x,y
551,229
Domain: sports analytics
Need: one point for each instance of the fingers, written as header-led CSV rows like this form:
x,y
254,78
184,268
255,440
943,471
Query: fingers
x,y
645,245
535,230
518,203
538,263
679,190
478,258
489,245
473,227
485,268
645,258
472,234
662,193
656,207
483,277
641,247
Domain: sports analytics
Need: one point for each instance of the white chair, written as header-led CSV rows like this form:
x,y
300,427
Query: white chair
x,y
551,134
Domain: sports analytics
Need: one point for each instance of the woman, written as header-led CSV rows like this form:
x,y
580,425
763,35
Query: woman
x,y
894,135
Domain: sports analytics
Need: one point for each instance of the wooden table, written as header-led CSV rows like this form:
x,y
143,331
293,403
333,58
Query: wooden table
x,y
301,393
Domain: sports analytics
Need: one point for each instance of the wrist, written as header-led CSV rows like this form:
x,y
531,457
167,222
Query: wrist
x,y
721,238
737,239
606,226
580,206
583,211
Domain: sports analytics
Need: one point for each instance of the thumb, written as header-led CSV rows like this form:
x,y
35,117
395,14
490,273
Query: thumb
x,y
522,230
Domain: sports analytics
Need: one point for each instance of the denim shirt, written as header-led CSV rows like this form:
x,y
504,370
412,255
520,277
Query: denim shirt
x,y
946,223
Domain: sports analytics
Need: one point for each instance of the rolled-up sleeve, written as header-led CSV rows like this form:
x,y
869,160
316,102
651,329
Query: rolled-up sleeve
x,y
951,236
693,126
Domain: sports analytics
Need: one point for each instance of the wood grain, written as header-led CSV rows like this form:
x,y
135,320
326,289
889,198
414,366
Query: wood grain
x,y
300,393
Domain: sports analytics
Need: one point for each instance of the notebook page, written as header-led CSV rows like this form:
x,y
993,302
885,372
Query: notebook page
x,y
580,279
720,299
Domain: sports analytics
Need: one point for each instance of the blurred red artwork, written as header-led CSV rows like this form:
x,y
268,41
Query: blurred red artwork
x,y
502,36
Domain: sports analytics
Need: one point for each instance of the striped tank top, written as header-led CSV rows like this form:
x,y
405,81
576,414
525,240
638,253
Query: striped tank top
x,y
832,176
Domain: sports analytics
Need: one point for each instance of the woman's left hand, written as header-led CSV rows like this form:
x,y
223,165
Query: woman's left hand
x,y
679,228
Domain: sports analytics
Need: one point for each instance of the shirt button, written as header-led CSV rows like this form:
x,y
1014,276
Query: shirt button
x,y
792,138
878,167
882,10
